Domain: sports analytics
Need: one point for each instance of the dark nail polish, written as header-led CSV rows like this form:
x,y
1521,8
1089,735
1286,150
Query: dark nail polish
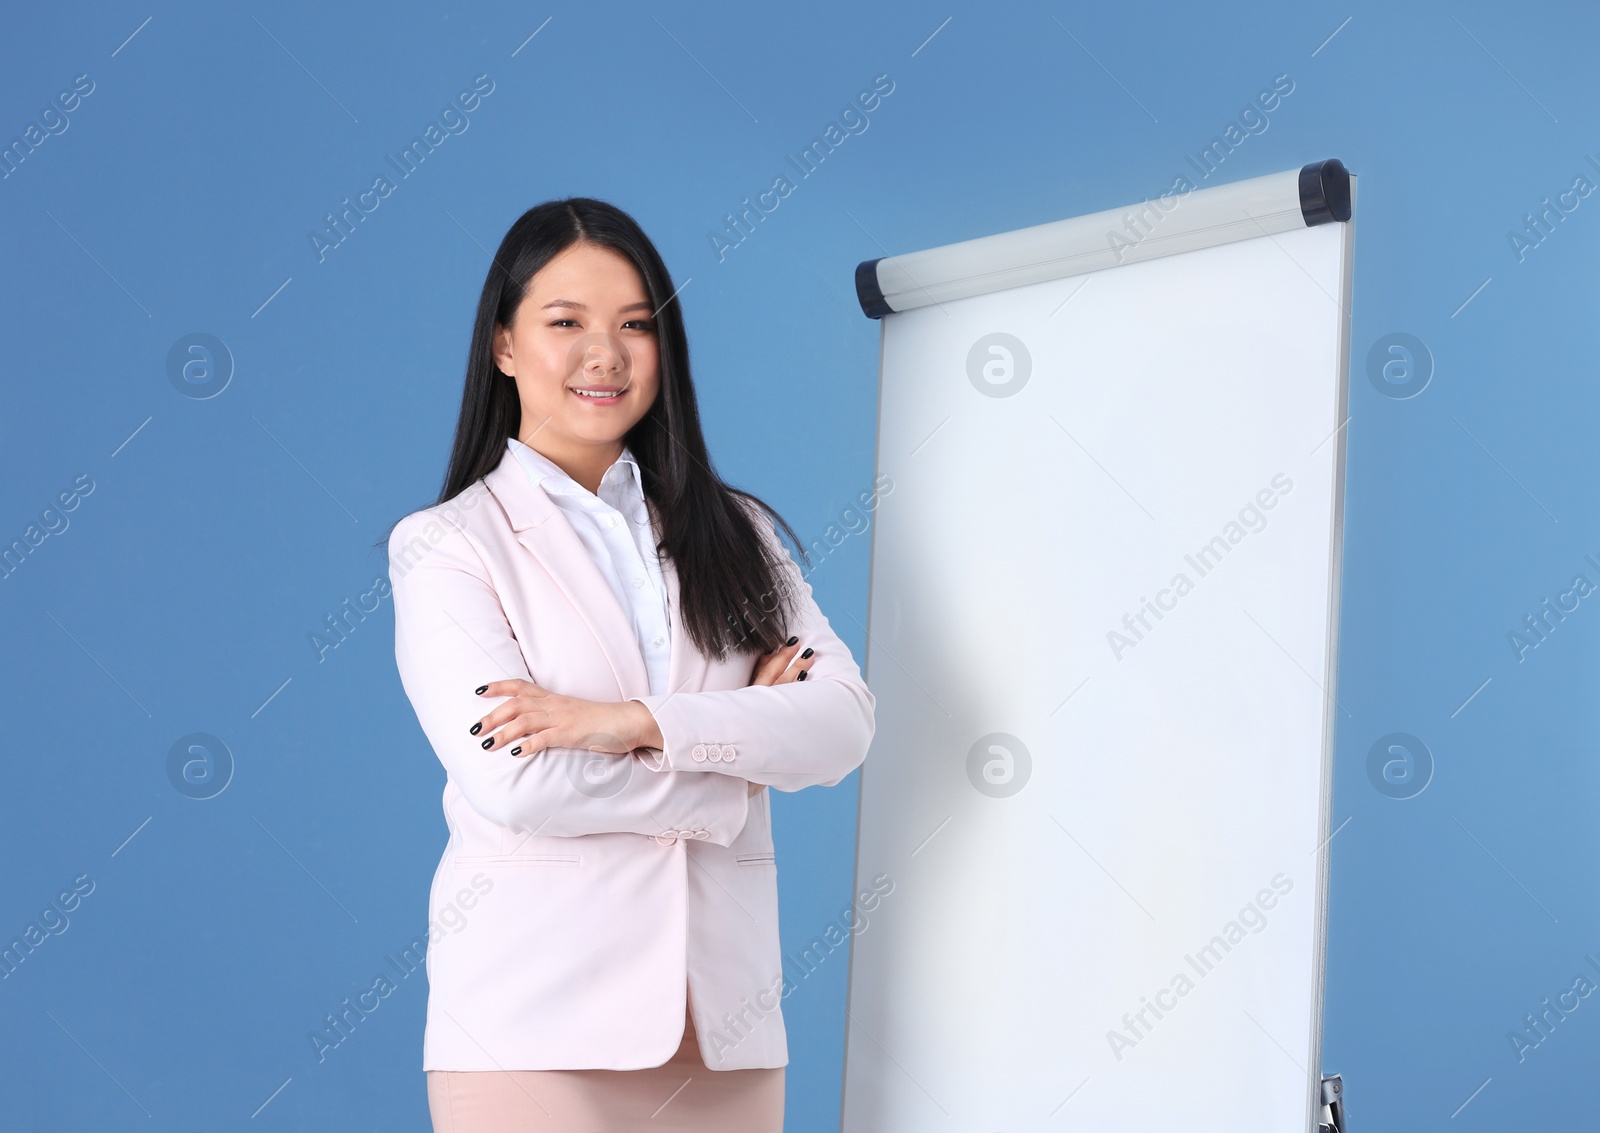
x,y
791,641
802,675
488,743
809,651
475,729
516,751
482,690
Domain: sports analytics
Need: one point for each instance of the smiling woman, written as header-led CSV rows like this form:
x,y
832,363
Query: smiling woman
x,y
583,340
613,604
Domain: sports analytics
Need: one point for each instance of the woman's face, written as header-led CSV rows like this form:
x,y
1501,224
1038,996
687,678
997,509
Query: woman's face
x,y
584,325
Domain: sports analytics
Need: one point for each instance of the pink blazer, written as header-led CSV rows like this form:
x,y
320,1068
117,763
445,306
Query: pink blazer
x,y
579,894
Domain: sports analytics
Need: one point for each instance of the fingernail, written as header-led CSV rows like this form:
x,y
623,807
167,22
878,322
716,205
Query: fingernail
x,y
483,690
488,743
516,751
802,675
791,641
809,651
475,729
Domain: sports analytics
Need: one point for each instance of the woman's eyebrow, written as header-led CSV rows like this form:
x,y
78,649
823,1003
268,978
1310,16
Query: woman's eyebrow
x,y
576,306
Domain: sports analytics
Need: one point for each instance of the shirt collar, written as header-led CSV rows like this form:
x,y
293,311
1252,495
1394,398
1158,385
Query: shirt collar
x,y
547,474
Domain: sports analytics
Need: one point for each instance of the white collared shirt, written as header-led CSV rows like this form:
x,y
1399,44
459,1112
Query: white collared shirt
x,y
614,527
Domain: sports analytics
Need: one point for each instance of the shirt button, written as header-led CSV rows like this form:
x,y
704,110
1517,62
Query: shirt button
x,y
658,641
639,581
611,521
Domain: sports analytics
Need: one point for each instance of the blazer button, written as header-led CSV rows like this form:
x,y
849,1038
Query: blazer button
x,y
714,753
699,752
727,752
702,833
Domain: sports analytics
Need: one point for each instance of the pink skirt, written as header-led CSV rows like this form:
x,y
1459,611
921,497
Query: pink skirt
x,y
679,1096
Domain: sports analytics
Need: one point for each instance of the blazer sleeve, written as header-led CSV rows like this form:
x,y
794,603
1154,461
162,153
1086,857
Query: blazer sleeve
x,y
452,636
790,736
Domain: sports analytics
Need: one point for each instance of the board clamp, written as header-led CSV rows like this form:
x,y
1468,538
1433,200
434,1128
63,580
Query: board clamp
x,y
1333,1102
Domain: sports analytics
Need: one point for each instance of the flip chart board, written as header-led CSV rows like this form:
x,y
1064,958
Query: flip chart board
x,y
1102,633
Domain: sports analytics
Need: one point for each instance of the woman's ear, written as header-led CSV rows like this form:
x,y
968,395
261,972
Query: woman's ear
x,y
501,350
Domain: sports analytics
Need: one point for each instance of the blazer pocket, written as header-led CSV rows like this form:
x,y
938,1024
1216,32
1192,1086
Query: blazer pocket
x,y
516,859
756,859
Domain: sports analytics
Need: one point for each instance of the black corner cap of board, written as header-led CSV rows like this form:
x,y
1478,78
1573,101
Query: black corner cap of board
x,y
1324,192
868,291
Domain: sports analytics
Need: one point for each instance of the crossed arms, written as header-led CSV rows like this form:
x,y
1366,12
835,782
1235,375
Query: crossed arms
x,y
452,637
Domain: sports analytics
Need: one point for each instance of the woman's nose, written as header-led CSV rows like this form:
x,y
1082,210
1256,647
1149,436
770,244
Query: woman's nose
x,y
600,359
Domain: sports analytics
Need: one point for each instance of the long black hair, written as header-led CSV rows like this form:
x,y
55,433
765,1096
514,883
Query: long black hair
x,y
733,594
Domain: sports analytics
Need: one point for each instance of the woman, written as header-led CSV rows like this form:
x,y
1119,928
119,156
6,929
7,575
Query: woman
x,y
612,655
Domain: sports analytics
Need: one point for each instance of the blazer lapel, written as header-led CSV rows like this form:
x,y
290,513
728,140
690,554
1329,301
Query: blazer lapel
x,y
542,528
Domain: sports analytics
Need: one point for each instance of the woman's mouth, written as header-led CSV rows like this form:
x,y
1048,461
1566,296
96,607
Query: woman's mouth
x,y
599,395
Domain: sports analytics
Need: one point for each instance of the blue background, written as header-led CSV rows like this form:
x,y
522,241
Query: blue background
x,y
184,591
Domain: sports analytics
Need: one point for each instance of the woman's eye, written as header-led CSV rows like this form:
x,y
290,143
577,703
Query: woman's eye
x,y
641,324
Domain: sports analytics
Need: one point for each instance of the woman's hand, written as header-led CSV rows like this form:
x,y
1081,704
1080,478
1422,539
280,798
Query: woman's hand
x,y
782,666
535,718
